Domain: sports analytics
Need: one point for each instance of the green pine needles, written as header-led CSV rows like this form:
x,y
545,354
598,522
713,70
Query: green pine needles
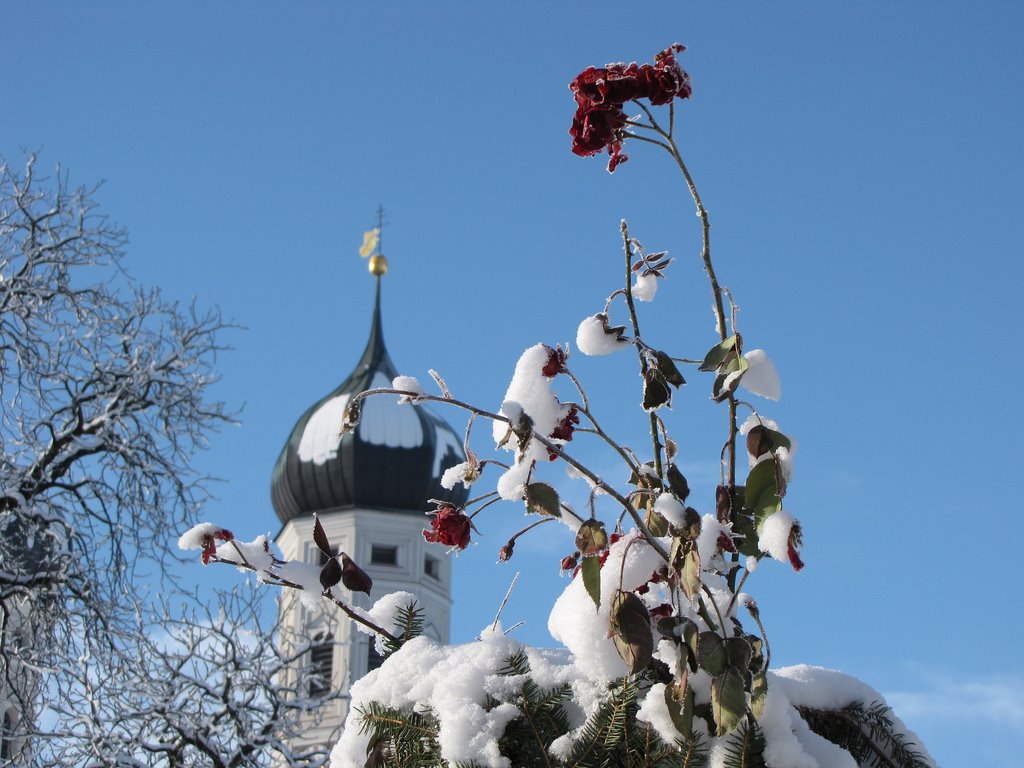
x,y
866,731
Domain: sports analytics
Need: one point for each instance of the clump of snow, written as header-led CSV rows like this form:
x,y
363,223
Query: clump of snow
x,y
454,682
529,393
645,287
774,535
255,553
653,710
707,541
384,613
592,339
306,577
408,384
458,474
197,536
582,628
761,378
670,508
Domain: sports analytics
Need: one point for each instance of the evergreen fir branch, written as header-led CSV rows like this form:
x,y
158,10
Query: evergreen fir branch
x,y
600,743
693,751
409,739
745,748
527,739
408,624
866,732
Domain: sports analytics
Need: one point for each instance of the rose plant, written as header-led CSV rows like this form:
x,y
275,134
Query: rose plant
x,y
658,668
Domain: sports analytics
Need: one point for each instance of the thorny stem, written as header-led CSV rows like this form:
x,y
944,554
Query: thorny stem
x,y
640,349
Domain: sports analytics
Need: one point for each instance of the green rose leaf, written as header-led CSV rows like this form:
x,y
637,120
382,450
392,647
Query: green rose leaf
x,y
744,535
758,694
716,355
591,538
711,656
591,570
728,701
761,495
691,573
543,499
679,703
737,649
631,630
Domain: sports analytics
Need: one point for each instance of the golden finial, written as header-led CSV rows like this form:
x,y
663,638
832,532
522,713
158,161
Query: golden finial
x,y
378,264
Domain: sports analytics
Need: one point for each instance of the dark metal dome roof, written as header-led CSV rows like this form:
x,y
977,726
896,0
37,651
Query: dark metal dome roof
x,y
393,459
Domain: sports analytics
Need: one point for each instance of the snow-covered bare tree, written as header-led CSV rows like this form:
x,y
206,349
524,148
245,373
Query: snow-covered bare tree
x,y
105,397
208,687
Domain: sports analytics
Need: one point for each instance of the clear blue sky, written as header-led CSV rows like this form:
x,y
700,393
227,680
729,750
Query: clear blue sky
x,y
861,163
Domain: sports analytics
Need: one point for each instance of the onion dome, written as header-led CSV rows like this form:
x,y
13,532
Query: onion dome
x,y
393,460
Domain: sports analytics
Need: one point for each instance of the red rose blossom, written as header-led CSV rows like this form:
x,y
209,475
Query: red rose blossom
x,y
600,93
449,527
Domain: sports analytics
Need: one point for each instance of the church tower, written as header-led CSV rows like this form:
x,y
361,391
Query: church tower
x,y
370,489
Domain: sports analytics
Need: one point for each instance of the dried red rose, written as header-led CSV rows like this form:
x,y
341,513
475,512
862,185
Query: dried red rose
x,y
600,93
555,363
449,527
210,543
564,429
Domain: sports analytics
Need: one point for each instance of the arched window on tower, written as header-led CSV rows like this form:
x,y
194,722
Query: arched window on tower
x,y
321,663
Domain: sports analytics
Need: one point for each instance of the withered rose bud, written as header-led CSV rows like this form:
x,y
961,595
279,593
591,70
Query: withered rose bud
x,y
723,504
661,611
759,441
353,577
569,562
591,538
505,553
795,540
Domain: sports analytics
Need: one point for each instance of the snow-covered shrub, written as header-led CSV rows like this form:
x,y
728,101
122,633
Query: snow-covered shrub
x,y
658,667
